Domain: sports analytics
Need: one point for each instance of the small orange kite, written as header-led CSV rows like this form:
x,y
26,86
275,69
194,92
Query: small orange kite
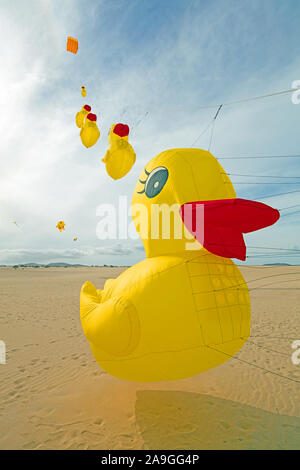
x,y
72,45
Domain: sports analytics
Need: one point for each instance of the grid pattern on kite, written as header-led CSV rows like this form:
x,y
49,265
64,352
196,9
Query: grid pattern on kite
x,y
72,45
226,305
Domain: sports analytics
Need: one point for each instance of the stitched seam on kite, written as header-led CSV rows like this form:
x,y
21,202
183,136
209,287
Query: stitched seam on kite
x,y
201,346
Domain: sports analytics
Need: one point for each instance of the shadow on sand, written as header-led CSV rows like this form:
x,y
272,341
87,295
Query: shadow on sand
x,y
184,420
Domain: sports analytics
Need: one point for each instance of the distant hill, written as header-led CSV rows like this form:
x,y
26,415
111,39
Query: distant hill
x,y
278,264
63,265
49,265
29,265
59,264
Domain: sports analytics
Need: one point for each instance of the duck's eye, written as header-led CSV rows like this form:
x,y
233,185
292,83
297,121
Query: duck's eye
x,y
156,181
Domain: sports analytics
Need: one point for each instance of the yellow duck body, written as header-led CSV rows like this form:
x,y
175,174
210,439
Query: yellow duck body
x,y
81,115
120,157
157,333
89,132
182,310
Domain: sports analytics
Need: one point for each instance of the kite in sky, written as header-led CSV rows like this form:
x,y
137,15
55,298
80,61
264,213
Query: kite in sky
x,y
61,225
72,45
120,156
81,115
89,133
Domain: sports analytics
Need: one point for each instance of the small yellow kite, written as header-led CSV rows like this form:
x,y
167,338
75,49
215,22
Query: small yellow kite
x,y
61,225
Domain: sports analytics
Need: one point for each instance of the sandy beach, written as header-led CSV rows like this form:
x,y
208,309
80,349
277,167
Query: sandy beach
x,y
53,395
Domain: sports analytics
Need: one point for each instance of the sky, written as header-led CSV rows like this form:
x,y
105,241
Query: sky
x,y
152,65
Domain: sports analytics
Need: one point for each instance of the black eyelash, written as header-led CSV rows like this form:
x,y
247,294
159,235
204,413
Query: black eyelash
x,y
143,181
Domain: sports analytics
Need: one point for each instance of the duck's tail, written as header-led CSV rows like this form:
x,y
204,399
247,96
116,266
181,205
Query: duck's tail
x,y
113,325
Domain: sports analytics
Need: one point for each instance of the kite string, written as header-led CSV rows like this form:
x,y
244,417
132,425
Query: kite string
x,y
247,157
278,194
213,126
255,365
260,97
267,349
143,116
230,103
260,176
211,123
202,132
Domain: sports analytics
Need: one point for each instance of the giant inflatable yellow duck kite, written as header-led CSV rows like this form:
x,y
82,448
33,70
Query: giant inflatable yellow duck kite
x,y
185,308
